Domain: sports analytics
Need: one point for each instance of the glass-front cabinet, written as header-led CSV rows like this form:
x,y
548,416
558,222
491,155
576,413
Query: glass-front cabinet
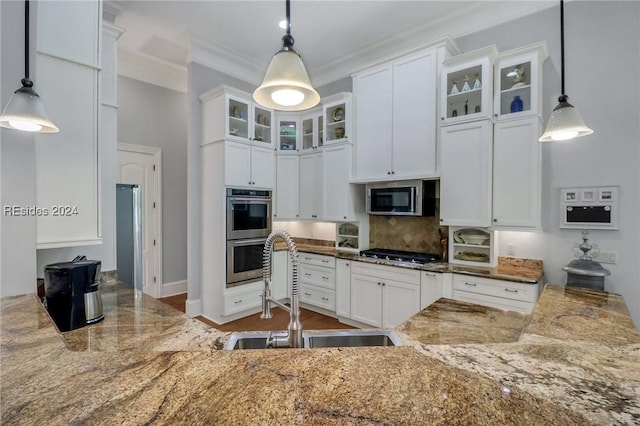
x,y
247,121
518,82
467,82
288,133
337,115
312,130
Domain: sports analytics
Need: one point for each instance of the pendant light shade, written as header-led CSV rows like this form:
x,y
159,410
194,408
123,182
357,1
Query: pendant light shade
x,y
286,85
565,122
24,110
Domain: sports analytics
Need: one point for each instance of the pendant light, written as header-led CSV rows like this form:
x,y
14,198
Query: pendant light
x,y
565,122
286,85
24,109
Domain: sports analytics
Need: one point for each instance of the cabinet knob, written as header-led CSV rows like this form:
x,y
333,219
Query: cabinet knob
x,y
275,215
297,215
441,220
344,217
388,173
383,284
441,118
253,183
249,182
495,220
393,173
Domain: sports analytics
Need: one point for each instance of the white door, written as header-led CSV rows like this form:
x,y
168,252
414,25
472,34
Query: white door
x,y
140,165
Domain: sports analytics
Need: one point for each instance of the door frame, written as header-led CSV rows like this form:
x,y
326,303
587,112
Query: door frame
x,y
157,212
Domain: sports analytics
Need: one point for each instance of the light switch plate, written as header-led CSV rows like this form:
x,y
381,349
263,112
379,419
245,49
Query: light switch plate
x,y
606,257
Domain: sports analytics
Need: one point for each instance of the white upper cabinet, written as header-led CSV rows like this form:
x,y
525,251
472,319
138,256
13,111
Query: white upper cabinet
x,y
396,115
518,82
288,133
230,114
466,166
517,173
67,163
467,86
337,118
287,196
248,166
340,199
374,122
312,124
311,186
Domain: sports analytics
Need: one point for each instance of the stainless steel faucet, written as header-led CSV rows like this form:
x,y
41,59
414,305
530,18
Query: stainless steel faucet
x,y
293,338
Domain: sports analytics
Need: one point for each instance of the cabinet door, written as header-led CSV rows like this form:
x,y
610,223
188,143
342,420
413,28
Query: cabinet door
x,y
336,186
287,186
366,299
310,186
431,288
237,164
414,116
373,94
288,137
238,121
465,182
343,288
400,301
516,173
279,275
262,167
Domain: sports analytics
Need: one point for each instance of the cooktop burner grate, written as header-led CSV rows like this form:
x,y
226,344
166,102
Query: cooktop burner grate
x,y
400,255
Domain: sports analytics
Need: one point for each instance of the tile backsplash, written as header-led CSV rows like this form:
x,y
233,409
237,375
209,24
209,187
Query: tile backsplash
x,y
411,233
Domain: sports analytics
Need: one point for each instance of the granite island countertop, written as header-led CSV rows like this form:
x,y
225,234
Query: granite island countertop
x,y
149,364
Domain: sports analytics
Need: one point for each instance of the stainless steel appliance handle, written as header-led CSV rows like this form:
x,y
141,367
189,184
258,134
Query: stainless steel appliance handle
x,y
247,242
413,199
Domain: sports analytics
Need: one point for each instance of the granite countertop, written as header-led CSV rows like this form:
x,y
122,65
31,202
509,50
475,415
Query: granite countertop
x,y
527,271
147,363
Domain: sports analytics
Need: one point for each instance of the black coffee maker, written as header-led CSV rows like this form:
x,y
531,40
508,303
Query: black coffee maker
x,y
71,293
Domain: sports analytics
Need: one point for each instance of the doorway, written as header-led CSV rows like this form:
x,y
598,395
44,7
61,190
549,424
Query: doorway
x,y
141,165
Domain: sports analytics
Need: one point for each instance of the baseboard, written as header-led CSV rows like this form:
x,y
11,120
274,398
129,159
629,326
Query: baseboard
x,y
193,308
173,288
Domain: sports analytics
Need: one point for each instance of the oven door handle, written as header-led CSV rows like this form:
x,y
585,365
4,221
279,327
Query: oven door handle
x,y
246,242
253,200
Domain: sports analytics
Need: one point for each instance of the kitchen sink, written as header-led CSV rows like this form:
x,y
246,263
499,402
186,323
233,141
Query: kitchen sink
x,y
317,339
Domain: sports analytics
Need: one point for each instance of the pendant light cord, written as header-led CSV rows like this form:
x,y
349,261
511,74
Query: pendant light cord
x,y
562,46
26,82
288,7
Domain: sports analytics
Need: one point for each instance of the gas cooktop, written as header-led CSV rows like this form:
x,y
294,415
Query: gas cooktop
x,y
400,255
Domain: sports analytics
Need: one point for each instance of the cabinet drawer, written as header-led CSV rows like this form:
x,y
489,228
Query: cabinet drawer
x,y
318,260
318,296
318,275
240,299
386,272
494,302
497,288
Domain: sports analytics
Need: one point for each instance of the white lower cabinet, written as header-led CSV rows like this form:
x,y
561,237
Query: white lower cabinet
x,y
317,280
431,288
383,296
243,297
507,295
279,275
343,288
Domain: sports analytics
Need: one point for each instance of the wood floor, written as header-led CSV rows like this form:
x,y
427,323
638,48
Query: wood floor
x,y
310,320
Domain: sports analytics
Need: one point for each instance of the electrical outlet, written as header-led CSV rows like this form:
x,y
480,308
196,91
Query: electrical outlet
x,y
606,257
511,249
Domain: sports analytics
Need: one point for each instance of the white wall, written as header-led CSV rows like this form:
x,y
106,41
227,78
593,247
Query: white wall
x,y
602,54
151,115
17,162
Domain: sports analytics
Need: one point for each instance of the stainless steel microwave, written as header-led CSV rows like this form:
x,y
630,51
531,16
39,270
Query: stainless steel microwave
x,y
402,198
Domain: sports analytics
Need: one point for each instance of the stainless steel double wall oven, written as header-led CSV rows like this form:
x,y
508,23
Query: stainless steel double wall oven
x,y
248,226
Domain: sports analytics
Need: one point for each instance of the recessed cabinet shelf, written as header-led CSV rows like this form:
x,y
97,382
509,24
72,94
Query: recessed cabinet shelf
x,y
472,246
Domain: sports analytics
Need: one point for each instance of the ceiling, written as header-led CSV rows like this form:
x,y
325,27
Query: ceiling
x,y
334,37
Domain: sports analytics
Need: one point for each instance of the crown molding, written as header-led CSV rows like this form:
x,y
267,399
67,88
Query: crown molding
x,y
111,9
225,60
150,69
475,18
112,30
